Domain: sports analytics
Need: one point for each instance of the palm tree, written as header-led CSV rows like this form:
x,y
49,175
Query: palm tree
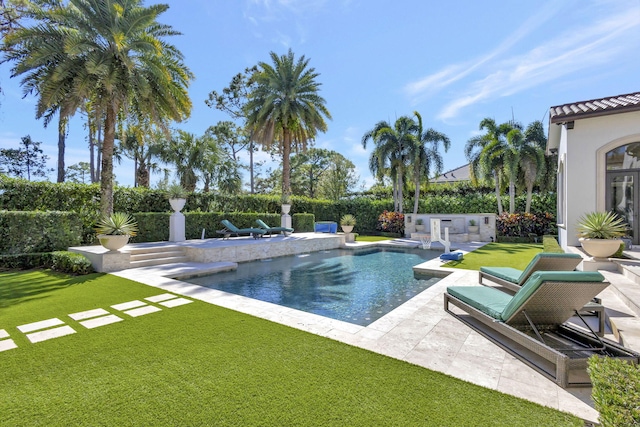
x,y
486,155
285,107
425,154
533,162
111,52
392,153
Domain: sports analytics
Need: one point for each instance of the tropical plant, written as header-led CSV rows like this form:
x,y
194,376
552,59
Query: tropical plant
x,y
601,225
533,164
419,221
391,222
285,107
117,224
348,220
187,152
425,156
391,154
111,52
175,191
472,222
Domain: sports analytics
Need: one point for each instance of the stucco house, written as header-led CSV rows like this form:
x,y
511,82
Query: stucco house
x,y
598,147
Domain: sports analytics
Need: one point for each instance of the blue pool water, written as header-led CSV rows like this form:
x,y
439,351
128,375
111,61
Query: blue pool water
x,y
354,286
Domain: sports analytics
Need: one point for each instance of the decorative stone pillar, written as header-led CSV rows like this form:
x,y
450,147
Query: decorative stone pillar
x,y
176,221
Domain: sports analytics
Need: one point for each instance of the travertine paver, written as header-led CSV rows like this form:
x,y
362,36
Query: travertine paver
x,y
175,302
161,297
89,314
4,334
127,305
141,311
30,327
100,321
7,345
50,333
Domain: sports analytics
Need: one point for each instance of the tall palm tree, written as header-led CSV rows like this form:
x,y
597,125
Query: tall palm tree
x,y
425,155
111,52
285,107
533,162
392,152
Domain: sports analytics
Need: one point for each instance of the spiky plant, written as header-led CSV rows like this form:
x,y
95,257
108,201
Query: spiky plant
x,y
118,223
348,220
601,225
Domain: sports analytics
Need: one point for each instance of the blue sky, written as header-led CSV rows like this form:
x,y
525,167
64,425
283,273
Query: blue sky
x,y
455,62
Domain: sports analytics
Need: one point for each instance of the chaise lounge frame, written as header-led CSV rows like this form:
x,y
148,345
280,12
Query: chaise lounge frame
x,y
270,230
543,315
231,230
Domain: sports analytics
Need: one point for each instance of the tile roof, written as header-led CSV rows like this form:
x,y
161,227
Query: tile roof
x,y
595,107
454,175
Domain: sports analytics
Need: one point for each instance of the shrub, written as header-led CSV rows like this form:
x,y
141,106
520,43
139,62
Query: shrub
x,y
27,232
61,261
550,244
391,222
525,224
616,391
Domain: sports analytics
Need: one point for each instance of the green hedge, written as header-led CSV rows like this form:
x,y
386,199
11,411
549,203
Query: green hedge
x,y
28,232
154,227
616,391
550,244
22,195
62,261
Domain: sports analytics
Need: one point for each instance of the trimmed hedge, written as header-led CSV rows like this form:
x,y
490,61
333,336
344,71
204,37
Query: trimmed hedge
x,y
550,244
28,232
62,261
154,226
616,391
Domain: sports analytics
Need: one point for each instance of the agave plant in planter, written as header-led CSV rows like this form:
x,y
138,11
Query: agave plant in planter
x,y
177,196
114,230
347,222
599,233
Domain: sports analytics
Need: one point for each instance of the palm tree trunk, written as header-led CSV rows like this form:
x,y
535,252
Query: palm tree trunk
x,y
62,128
529,194
498,199
106,174
416,196
512,196
286,163
400,195
251,177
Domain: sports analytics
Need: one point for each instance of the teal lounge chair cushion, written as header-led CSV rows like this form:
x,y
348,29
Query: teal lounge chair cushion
x,y
488,300
505,273
537,278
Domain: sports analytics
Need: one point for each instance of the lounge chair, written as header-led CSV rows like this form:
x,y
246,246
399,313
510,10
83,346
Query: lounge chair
x,y
230,230
530,324
512,278
271,230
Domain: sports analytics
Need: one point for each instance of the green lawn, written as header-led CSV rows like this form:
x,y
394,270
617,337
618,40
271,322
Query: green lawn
x,y
361,238
516,255
202,365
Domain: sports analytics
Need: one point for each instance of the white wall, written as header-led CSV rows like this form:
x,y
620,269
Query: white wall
x,y
584,148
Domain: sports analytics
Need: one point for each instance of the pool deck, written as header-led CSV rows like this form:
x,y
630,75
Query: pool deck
x,y
419,331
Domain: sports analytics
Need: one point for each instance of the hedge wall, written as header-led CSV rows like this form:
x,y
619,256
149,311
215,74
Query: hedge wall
x,y
26,232
21,195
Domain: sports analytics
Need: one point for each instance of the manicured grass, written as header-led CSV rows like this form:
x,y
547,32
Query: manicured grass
x,y
199,364
516,255
372,238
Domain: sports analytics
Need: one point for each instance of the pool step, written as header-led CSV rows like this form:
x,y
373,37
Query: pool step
x,y
158,255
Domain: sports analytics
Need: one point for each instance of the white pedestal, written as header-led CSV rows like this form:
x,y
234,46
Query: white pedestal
x,y
176,227
285,221
350,237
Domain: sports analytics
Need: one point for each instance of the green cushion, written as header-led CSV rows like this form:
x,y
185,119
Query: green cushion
x,y
537,278
527,271
486,299
505,273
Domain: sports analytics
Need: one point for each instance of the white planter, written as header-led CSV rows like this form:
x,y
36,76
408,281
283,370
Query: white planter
x,y
473,229
347,228
420,227
286,208
177,204
113,242
600,248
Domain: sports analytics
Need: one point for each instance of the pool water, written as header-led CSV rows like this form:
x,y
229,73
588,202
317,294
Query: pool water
x,y
353,286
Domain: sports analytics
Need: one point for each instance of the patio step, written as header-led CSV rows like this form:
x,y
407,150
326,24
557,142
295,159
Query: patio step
x,y
157,255
629,292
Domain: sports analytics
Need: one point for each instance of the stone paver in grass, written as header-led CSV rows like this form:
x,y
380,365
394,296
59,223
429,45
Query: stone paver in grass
x,y
100,321
175,302
3,334
89,314
141,311
127,305
161,297
7,345
43,324
50,333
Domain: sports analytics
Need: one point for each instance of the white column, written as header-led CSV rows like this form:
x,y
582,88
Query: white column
x,y
176,227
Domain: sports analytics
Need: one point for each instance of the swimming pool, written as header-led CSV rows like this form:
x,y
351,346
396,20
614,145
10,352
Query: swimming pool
x,y
354,286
